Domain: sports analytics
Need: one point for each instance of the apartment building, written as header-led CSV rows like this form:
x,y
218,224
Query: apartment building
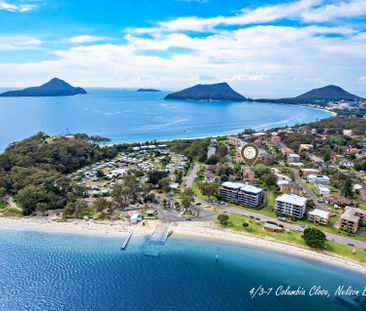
x,y
351,219
291,205
242,194
319,216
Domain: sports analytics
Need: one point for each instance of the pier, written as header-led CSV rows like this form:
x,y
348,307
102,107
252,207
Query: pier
x,y
157,240
125,242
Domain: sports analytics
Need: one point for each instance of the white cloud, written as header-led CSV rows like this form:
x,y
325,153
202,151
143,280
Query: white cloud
x,y
341,9
9,43
362,79
258,60
87,39
21,7
303,10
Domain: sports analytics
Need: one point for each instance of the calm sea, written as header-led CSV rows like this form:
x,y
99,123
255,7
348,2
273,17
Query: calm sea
x,y
40,271
130,116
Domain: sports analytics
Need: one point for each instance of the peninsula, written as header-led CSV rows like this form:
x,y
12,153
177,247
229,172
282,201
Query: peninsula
x,y
54,87
208,92
323,94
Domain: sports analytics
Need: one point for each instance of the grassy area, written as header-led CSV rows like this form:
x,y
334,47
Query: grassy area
x,y
256,228
197,192
2,205
12,212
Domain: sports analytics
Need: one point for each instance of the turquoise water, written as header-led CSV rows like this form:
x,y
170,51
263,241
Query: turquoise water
x,y
130,116
41,271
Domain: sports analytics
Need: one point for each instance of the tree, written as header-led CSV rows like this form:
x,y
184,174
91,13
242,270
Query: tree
x,y
314,238
260,170
100,174
165,203
164,183
155,176
212,160
327,155
270,180
187,198
131,186
347,188
245,225
119,195
80,207
42,207
2,193
223,219
69,209
100,204
209,189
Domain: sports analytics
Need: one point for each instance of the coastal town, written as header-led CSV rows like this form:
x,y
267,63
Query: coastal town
x,y
306,176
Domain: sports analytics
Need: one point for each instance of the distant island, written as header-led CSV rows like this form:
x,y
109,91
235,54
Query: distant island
x,y
148,90
54,87
208,92
323,94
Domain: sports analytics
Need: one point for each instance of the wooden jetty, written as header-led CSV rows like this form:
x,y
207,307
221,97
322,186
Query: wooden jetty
x,y
125,242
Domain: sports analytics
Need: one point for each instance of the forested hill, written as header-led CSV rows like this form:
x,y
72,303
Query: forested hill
x,y
323,94
34,170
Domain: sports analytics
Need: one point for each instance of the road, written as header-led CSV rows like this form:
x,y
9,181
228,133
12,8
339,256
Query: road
x,y
189,179
330,236
308,192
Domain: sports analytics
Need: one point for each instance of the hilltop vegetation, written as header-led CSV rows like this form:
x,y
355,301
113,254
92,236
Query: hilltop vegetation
x,y
357,125
34,170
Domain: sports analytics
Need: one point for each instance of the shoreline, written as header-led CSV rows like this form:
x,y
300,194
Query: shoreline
x,y
192,230
332,115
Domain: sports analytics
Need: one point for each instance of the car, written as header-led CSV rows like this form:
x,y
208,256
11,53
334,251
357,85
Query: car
x,y
252,217
224,212
298,230
198,203
188,219
350,244
257,218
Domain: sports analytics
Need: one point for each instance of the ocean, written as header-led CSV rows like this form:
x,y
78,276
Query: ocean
x,y
41,271
130,116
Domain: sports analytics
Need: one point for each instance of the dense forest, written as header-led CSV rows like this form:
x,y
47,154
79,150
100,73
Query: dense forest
x,y
34,170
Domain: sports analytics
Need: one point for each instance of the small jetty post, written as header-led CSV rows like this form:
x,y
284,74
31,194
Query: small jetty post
x,y
217,253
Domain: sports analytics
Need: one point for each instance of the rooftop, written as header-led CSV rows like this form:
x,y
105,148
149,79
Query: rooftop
x,y
319,212
292,199
241,186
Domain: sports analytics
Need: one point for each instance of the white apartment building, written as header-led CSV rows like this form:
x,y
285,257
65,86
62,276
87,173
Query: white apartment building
x,y
291,205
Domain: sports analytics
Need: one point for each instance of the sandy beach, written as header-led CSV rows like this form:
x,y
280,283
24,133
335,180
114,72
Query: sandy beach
x,y
200,230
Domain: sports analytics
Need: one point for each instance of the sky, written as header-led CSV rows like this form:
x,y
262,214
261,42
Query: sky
x,y
261,48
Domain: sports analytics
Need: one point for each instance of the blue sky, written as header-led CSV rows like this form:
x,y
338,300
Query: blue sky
x,y
262,48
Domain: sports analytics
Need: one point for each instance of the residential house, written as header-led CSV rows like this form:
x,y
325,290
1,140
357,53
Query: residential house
x,y
323,190
362,193
293,158
286,151
309,171
306,147
276,139
290,188
318,179
235,141
249,175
